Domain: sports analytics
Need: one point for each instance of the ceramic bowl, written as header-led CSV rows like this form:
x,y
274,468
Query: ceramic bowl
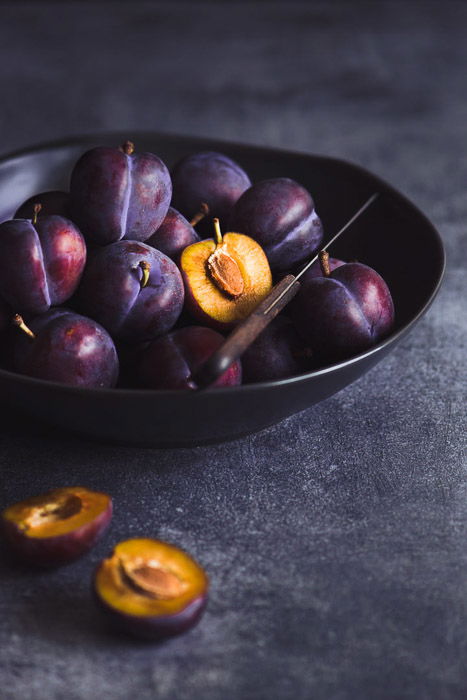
x,y
170,418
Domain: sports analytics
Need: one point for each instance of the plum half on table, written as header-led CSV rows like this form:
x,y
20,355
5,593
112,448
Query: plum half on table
x,y
56,527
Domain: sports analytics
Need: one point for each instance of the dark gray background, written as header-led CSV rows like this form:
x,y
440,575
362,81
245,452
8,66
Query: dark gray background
x,y
335,541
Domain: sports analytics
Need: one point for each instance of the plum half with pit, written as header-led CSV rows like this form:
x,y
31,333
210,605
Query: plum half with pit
x,y
343,312
41,261
117,193
173,235
56,527
65,347
206,185
135,291
151,589
225,278
168,362
280,215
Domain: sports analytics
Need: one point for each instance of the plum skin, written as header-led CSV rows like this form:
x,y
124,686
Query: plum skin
x,y
208,177
169,361
58,550
344,313
116,194
68,348
152,627
41,264
173,235
277,353
111,293
280,215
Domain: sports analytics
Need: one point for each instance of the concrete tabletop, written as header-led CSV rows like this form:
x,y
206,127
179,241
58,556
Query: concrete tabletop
x,y
335,541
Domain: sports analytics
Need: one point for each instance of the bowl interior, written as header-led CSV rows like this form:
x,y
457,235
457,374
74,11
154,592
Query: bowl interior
x,y
392,236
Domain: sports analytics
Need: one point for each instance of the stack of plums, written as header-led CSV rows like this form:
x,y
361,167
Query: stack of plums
x,y
137,274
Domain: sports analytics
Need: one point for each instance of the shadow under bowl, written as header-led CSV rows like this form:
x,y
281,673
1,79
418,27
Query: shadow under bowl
x,y
170,418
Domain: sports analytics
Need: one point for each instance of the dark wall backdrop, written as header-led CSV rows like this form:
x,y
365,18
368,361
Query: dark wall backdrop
x,y
335,541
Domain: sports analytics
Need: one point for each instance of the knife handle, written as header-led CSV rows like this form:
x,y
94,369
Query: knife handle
x,y
245,333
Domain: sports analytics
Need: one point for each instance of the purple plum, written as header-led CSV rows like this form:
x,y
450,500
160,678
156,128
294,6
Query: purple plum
x,y
41,262
173,235
116,193
207,178
277,353
63,346
280,215
343,312
135,291
169,361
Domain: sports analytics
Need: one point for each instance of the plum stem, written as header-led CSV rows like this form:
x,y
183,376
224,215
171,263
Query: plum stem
x,y
217,232
200,214
324,263
36,209
145,269
18,321
128,147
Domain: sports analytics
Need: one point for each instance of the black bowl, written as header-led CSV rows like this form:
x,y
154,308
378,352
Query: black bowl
x,y
168,418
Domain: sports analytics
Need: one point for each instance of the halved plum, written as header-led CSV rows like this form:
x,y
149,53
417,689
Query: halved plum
x,y
150,588
58,526
225,278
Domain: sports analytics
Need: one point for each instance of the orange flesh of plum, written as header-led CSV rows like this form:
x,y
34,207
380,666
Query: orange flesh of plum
x,y
146,577
254,268
57,512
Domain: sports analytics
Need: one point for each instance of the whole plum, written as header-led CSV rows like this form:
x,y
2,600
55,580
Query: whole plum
x,y
116,193
343,312
173,235
207,178
168,362
135,291
280,215
277,353
41,262
63,346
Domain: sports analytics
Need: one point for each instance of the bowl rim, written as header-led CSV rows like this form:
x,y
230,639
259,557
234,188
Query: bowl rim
x,y
138,393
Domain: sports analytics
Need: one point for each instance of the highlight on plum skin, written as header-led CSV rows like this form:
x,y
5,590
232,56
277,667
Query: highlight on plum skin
x,y
168,362
65,347
133,290
206,185
118,193
56,527
280,215
150,589
41,261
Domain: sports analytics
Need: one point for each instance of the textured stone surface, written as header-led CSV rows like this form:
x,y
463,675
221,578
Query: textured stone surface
x,y
335,541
